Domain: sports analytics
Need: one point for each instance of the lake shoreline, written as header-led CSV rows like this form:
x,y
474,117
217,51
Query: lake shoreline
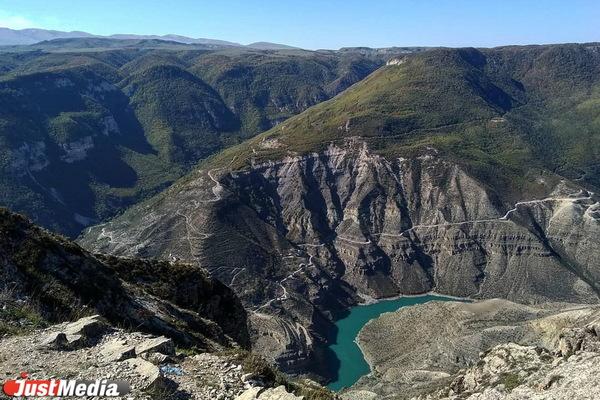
x,y
346,347
368,300
371,300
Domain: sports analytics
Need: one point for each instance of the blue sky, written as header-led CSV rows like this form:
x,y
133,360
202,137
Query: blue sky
x,y
316,24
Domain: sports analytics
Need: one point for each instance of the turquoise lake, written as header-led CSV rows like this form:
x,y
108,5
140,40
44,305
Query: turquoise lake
x,y
350,360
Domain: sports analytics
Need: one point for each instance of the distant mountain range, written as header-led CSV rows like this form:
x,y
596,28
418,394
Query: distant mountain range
x,y
14,37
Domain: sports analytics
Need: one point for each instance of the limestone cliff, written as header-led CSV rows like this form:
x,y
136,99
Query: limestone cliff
x,y
302,238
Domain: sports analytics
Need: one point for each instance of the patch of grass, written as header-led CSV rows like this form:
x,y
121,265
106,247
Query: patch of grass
x,y
18,316
510,381
188,351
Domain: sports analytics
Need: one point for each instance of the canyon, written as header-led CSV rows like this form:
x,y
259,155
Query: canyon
x,y
272,191
315,234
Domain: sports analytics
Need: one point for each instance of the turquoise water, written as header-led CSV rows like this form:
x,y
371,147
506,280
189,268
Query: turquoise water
x,y
350,360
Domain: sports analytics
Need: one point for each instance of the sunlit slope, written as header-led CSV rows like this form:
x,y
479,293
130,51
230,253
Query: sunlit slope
x,y
500,112
84,134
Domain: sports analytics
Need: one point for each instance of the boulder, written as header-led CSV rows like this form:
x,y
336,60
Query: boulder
x,y
148,375
279,393
117,350
75,341
259,393
88,327
250,394
570,341
594,328
55,340
160,344
156,358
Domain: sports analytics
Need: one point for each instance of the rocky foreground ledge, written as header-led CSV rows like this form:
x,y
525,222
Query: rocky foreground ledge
x,y
90,349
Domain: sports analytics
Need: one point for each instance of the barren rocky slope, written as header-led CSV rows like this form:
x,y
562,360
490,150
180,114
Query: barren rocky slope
x,y
567,369
152,367
302,238
420,348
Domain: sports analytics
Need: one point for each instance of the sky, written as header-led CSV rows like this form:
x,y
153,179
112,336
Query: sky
x,y
314,24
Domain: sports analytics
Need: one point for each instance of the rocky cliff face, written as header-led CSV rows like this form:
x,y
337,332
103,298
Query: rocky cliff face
x,y
303,238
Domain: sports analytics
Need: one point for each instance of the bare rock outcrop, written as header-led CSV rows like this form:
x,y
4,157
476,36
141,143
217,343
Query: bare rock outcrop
x,y
418,349
510,372
311,233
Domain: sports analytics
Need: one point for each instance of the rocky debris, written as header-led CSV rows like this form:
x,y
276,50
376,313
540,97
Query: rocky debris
x,y
359,395
221,376
148,363
421,348
278,393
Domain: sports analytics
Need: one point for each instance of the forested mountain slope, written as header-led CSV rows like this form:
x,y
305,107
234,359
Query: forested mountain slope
x,y
89,126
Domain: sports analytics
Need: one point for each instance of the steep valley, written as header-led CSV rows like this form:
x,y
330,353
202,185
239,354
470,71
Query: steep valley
x,y
437,173
302,239
470,173
167,329
149,110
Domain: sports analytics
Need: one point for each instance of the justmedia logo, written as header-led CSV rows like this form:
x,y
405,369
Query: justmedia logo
x,y
25,387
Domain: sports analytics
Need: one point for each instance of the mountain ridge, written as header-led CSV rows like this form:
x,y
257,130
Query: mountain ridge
x,y
11,37
149,113
439,171
30,36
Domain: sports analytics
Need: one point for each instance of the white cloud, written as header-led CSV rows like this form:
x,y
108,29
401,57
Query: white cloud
x,y
15,21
